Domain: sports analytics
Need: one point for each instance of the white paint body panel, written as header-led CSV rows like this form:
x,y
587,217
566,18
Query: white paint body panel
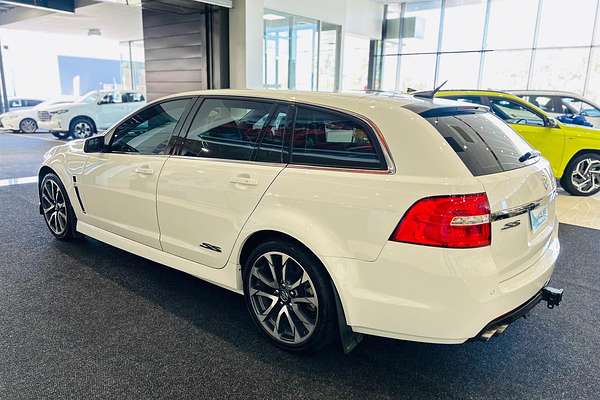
x,y
345,217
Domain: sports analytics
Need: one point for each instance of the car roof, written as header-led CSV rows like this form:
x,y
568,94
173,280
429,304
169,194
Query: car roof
x,y
359,102
544,93
494,93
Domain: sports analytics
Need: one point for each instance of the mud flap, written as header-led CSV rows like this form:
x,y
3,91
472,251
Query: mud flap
x,y
348,338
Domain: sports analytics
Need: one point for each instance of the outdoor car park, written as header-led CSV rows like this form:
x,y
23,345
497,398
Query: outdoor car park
x,y
366,199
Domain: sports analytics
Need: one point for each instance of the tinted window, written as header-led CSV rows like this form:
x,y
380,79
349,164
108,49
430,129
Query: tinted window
x,y
15,103
333,140
271,142
545,103
149,131
485,144
227,129
32,103
515,113
132,97
576,106
112,98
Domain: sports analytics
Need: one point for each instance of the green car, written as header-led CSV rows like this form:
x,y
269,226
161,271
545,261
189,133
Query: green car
x,y
573,150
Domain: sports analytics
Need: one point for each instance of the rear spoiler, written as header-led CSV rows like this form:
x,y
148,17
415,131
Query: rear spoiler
x,y
442,108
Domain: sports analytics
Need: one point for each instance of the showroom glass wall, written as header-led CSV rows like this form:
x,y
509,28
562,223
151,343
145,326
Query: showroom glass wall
x,y
133,71
300,53
495,44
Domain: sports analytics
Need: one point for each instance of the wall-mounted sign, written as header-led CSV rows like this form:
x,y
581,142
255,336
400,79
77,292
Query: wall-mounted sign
x,y
50,5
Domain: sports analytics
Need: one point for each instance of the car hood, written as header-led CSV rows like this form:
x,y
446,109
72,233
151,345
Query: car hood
x,y
62,106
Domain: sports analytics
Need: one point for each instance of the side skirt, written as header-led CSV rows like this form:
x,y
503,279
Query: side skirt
x,y
226,277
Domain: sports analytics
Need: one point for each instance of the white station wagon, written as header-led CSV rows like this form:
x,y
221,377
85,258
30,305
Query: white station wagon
x,y
404,217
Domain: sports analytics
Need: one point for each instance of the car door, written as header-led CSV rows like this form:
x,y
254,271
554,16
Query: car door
x,y
209,188
110,109
118,186
532,126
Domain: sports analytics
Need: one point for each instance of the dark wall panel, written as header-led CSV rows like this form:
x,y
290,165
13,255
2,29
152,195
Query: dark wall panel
x,y
185,47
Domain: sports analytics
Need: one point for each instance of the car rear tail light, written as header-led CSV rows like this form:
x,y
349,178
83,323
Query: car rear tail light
x,y
458,221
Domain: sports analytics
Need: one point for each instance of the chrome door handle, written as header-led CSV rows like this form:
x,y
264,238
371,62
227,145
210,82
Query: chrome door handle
x,y
244,180
144,171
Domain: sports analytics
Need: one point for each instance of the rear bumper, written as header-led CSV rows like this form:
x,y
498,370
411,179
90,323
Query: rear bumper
x,y
551,296
435,296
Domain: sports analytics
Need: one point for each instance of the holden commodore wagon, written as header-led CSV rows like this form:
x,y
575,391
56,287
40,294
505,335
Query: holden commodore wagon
x,y
403,217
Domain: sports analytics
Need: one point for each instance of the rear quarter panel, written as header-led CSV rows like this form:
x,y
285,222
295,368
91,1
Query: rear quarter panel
x,y
343,213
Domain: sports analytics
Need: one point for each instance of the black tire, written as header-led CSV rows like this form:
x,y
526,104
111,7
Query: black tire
x,y
81,128
47,198
323,331
28,125
572,174
61,135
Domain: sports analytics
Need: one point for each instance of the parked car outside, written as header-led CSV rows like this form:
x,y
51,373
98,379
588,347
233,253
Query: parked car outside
x,y
21,103
93,112
556,103
573,150
26,120
424,220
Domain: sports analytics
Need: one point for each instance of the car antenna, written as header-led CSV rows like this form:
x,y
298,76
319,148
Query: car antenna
x,y
430,94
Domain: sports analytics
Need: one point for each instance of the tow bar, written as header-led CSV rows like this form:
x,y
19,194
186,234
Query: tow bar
x,y
550,295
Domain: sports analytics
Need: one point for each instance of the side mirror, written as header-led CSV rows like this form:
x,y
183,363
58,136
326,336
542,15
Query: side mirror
x,y
552,123
94,145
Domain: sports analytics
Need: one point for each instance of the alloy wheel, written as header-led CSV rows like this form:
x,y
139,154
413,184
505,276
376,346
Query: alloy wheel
x,y
28,126
586,175
283,297
54,207
82,130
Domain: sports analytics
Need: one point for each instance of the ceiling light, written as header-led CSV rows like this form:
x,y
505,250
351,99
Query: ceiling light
x,y
273,17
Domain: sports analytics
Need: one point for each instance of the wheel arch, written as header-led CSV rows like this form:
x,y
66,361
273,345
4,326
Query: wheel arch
x,y
44,170
86,117
263,235
26,118
577,154
584,151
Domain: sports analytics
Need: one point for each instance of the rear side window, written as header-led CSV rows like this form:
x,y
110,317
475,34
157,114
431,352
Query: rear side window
x,y
484,143
227,129
271,142
333,139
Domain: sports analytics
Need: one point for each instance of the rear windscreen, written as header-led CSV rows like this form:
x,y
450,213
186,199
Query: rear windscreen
x,y
484,143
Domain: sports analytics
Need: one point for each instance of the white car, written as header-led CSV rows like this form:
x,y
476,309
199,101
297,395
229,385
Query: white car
x,y
558,103
26,120
416,219
93,112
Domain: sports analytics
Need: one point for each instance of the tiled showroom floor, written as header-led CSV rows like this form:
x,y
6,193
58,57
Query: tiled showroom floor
x,y
84,320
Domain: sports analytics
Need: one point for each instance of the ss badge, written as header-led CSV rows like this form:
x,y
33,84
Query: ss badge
x,y
513,224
